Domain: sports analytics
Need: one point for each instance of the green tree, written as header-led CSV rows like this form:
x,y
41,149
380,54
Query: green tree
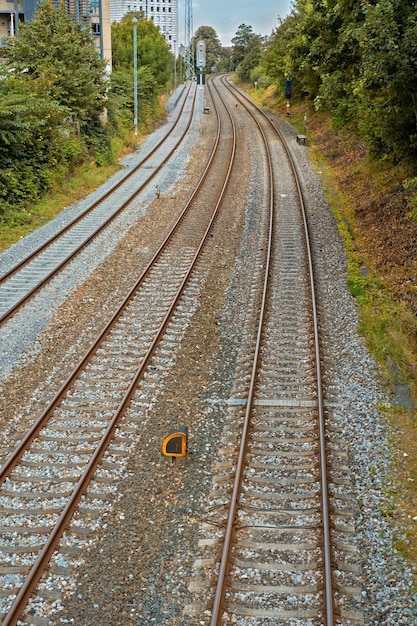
x,y
213,46
247,51
225,63
387,91
152,49
30,123
240,42
52,91
155,68
356,59
251,59
35,140
54,49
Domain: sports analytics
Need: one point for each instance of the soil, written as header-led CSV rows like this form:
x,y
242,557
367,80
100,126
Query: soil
x,y
385,236
381,219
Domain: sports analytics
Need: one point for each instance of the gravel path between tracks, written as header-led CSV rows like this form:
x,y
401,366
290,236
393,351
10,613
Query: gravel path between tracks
x,y
136,569
18,335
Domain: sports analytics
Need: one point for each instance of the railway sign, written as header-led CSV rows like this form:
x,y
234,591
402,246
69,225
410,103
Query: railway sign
x,y
201,54
175,444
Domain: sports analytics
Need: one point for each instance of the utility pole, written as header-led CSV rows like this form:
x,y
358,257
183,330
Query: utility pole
x,y
189,52
175,65
181,52
16,19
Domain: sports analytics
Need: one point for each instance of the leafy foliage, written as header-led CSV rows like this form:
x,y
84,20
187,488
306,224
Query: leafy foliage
x,y
152,49
53,92
53,50
52,89
356,59
155,64
247,50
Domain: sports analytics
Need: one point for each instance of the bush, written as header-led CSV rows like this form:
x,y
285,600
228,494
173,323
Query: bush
x,y
410,187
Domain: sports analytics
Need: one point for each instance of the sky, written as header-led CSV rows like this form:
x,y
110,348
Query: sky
x,y
225,16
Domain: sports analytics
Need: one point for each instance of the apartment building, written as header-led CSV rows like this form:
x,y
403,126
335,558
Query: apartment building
x,y
164,13
95,15
98,16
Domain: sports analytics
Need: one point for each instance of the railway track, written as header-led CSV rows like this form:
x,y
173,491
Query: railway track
x,y
27,277
286,552
277,545
44,478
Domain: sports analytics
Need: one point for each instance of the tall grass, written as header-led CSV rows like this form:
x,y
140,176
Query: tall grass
x,y
85,178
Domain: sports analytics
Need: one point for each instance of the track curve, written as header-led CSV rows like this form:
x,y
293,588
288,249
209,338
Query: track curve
x,y
275,557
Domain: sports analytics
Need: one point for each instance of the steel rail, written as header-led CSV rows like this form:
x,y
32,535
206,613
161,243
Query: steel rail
x,y
20,449
53,539
327,553
224,561
5,316
223,568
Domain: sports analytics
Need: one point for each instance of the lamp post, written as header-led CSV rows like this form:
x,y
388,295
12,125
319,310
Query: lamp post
x,y
135,75
175,67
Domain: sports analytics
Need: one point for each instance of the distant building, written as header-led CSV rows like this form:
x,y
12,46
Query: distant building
x,y
97,15
164,13
93,14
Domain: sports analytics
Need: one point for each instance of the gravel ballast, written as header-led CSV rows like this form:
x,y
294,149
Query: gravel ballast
x,y
135,568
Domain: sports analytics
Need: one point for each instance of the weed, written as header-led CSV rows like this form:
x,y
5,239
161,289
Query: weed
x,y
85,179
410,186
